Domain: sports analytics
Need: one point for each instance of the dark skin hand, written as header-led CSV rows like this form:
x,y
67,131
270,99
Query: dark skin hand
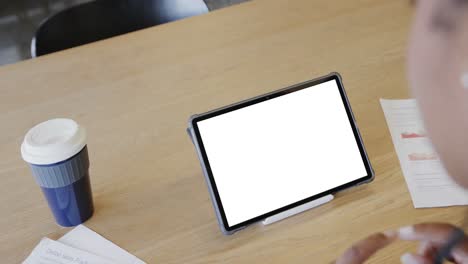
x,y
364,249
430,236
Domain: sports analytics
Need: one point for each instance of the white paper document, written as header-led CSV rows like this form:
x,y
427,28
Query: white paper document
x,y
86,239
427,179
80,246
49,251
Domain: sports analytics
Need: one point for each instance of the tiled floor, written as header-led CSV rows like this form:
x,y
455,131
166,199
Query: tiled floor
x,y
20,18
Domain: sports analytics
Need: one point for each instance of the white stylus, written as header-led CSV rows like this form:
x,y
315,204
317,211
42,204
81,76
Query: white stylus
x,y
297,210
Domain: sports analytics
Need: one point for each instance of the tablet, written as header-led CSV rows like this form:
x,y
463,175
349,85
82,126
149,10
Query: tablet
x,y
276,151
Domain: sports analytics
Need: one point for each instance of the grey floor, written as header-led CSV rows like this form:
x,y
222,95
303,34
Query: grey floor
x,y
19,20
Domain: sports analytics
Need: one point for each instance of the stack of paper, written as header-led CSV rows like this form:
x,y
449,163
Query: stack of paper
x,y
80,246
428,181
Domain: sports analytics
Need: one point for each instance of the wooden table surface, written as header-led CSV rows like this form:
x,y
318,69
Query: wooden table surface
x,y
134,94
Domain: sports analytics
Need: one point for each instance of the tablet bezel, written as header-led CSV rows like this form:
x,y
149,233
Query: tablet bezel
x,y
197,140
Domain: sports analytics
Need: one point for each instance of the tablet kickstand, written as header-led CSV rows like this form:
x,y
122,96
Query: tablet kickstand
x,y
296,210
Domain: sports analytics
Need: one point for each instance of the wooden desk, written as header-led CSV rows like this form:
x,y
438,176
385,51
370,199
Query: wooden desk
x,y
134,94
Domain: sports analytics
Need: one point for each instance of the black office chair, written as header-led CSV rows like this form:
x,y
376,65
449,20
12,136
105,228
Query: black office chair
x,y
101,19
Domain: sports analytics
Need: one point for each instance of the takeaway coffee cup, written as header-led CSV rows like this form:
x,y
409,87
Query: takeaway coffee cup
x,y
57,155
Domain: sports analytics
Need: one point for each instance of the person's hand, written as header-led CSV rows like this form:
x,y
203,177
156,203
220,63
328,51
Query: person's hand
x,y
432,237
364,249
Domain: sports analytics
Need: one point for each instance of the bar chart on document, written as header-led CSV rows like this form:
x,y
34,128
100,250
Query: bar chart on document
x,y
428,181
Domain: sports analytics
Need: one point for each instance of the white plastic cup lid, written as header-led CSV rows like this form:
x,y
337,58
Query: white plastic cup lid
x,y
53,141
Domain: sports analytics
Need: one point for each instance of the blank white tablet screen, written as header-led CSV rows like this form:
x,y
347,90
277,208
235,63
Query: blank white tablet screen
x,y
283,150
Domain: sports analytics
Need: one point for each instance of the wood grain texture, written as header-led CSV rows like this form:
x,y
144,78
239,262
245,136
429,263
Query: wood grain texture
x,y
134,94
